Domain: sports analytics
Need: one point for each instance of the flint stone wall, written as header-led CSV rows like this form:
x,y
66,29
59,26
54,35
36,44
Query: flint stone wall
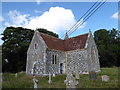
x,y
77,59
37,56
54,68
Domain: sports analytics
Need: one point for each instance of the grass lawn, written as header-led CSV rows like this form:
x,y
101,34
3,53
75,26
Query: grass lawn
x,y
25,81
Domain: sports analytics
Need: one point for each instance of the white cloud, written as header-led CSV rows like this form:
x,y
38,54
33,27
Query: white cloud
x,y
17,19
37,11
115,15
1,19
57,19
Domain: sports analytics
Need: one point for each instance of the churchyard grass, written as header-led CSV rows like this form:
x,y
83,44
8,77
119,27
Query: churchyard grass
x,y
25,81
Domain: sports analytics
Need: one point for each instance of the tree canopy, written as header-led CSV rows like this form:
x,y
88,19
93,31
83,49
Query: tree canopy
x,y
108,43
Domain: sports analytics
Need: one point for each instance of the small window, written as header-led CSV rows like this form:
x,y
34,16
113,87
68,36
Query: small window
x,y
54,59
35,46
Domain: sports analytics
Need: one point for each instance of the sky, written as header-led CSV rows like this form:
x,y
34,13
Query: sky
x,y
58,17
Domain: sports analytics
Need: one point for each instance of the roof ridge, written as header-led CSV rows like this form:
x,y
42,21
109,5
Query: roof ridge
x,y
49,35
62,39
77,36
77,42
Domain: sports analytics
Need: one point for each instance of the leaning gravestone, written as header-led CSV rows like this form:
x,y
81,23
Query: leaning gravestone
x,y
105,78
35,82
92,75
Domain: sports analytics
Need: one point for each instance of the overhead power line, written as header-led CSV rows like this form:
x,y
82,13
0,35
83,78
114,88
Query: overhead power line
x,y
83,15
86,16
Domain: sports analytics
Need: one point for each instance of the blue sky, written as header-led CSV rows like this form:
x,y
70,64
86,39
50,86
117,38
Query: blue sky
x,y
58,17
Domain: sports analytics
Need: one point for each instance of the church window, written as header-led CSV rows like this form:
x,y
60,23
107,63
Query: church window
x,y
35,46
54,59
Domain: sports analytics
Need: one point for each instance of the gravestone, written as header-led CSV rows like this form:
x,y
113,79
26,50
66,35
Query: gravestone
x,y
77,76
92,75
105,78
70,81
53,75
35,81
50,80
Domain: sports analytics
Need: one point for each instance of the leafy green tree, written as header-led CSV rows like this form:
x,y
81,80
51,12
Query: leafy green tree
x,y
108,43
14,48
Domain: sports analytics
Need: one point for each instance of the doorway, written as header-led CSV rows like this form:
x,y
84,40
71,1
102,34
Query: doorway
x,y
61,68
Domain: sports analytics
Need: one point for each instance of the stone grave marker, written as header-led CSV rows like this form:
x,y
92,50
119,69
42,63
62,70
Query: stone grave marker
x,y
77,76
35,81
50,79
53,75
105,78
92,75
70,81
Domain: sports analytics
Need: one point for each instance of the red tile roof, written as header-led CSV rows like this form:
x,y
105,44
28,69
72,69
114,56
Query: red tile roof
x,y
73,43
53,42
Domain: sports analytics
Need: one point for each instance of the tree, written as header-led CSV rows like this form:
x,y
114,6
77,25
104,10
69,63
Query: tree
x,y
108,43
16,42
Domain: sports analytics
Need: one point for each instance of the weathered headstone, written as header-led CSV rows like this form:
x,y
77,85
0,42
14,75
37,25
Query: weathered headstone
x,y
50,80
53,75
35,82
77,76
70,81
105,78
92,75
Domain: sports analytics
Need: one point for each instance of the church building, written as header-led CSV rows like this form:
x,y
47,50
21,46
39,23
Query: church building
x,y
47,54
